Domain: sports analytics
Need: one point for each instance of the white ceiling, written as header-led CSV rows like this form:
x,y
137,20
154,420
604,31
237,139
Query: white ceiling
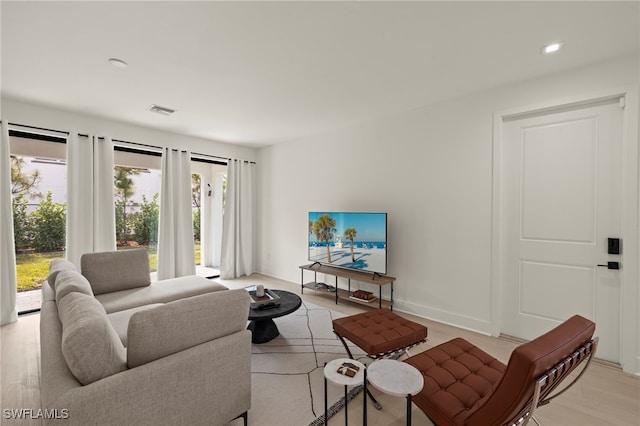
x,y
258,73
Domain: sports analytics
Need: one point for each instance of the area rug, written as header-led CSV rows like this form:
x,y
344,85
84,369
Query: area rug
x,y
287,380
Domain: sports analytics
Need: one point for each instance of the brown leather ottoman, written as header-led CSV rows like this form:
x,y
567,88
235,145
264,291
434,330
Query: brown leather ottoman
x,y
458,378
380,332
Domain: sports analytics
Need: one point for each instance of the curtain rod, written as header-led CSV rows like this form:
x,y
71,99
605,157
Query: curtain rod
x,y
117,140
246,161
38,128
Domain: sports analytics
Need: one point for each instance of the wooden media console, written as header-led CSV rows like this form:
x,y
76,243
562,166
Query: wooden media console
x,y
370,278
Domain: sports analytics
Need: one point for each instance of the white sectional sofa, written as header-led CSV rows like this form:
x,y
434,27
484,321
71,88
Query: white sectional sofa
x,y
117,349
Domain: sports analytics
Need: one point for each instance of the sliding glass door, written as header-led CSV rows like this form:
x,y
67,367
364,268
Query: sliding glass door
x,y
39,196
208,200
136,185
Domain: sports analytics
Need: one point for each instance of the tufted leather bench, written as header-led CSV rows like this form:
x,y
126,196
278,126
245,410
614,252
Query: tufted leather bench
x,y
379,332
464,385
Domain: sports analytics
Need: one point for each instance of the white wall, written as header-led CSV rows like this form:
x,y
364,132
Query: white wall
x,y
19,112
431,170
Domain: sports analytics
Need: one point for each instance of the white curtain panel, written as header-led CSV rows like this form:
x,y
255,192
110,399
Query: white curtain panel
x,y
91,221
237,229
176,256
211,222
104,206
8,290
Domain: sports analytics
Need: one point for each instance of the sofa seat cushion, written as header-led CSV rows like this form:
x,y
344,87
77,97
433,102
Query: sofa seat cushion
x,y
158,292
116,270
120,320
458,378
90,345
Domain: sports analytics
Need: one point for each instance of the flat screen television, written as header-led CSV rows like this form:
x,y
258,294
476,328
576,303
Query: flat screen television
x,y
349,240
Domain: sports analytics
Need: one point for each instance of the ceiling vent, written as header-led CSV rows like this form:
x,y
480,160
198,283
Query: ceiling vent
x,y
161,110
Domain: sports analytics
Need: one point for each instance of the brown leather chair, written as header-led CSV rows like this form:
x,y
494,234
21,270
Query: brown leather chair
x,y
464,385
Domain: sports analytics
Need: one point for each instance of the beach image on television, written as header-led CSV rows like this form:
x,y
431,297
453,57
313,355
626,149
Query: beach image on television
x,y
349,240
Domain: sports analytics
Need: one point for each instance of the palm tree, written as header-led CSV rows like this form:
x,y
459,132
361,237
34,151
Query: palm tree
x,y
323,229
350,234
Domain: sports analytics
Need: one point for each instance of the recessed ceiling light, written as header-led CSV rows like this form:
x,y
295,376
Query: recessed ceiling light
x,y
118,63
552,47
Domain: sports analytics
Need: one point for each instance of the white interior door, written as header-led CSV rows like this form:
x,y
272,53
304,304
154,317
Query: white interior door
x,y
561,201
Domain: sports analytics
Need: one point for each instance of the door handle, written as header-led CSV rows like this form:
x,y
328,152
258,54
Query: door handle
x,y
611,265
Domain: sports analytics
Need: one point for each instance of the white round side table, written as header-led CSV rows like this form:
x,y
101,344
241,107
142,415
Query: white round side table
x,y
396,378
331,373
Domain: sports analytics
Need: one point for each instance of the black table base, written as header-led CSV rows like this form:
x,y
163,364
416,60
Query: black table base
x,y
262,327
263,331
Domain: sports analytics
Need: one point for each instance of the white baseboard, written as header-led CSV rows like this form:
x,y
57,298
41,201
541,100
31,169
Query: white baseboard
x,y
445,317
636,370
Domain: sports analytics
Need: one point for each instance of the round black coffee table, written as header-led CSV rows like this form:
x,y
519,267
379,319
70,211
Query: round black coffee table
x,y
262,327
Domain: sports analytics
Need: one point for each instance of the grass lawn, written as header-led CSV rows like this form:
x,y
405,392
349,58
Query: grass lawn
x,y
33,268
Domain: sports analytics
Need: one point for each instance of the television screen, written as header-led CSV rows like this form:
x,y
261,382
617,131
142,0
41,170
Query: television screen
x,y
349,240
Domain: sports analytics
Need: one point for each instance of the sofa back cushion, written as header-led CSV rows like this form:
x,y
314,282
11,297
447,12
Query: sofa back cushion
x,y
90,345
55,267
69,282
116,270
179,325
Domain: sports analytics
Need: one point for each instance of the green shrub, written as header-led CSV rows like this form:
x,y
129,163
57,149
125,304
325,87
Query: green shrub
x,y
22,229
121,229
49,224
196,224
145,222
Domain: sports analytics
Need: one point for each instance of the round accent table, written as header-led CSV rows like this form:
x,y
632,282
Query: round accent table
x,y
262,327
331,373
396,378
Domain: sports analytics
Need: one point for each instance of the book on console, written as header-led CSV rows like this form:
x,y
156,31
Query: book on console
x,y
362,300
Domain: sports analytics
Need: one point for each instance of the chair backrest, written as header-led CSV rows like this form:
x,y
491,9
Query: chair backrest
x,y
549,359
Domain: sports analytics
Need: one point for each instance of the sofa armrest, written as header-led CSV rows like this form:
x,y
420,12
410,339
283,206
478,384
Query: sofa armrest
x,y
208,384
56,266
179,325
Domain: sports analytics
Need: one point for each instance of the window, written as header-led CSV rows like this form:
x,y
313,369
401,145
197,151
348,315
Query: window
x,y
136,181
38,186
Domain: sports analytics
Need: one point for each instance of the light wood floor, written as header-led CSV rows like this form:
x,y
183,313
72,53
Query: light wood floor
x,y
604,396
